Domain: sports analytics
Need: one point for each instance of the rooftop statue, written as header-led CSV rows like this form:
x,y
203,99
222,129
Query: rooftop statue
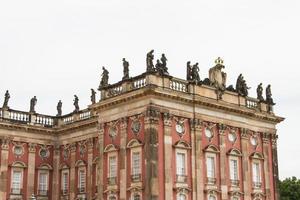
x,y
241,86
76,105
161,66
218,78
59,108
93,96
125,69
158,67
6,99
188,71
195,73
33,102
269,98
104,78
259,92
149,61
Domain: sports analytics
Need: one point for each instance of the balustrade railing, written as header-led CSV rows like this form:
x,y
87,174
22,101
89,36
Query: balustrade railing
x,y
18,116
68,119
252,103
84,114
178,85
139,83
114,91
44,120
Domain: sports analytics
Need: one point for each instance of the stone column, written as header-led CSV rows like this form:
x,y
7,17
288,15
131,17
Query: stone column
x,y
246,164
4,167
266,166
275,166
123,158
151,153
223,167
198,181
168,156
73,185
55,177
89,184
31,169
100,162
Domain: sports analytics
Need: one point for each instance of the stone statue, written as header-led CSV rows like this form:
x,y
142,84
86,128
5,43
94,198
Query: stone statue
x,y
76,105
104,78
195,73
59,108
125,69
159,68
259,92
6,99
188,71
149,61
33,102
241,86
93,96
269,98
218,78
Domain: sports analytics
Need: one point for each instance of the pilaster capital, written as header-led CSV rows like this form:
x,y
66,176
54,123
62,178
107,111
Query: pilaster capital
x,y
196,124
274,141
266,138
123,123
32,147
167,119
152,115
73,147
5,141
245,134
100,128
90,143
222,128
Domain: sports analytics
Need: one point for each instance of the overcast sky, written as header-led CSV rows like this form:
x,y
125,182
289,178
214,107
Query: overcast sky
x,y
55,49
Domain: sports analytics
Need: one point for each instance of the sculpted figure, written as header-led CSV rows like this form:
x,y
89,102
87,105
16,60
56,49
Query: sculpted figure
x,y
269,98
241,86
93,96
59,108
159,67
6,99
76,105
195,73
125,69
33,102
149,61
188,71
218,78
104,78
259,92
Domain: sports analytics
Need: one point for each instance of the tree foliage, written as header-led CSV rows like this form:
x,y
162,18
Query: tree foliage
x,y
289,189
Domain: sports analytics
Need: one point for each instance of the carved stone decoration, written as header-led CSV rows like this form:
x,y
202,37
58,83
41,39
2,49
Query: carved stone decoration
x,y
269,98
5,141
136,126
196,124
125,69
44,152
82,149
93,96
195,74
31,147
112,132
149,61
209,133
18,150
188,71
232,137
59,108
161,66
180,128
167,119
6,99
66,152
104,78
33,102
259,92
218,78
241,86
76,104
244,133
222,129
254,141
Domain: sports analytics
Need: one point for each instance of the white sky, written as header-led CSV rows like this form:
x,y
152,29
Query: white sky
x,y
55,49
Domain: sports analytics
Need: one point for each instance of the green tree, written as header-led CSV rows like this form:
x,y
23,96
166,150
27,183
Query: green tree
x,y
289,189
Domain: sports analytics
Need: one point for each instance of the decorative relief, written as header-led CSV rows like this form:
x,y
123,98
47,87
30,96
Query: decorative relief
x,y
90,143
44,152
168,119
66,152
244,133
152,115
180,126
31,147
254,140
274,140
266,137
18,150
208,132
82,148
222,129
112,132
232,136
5,143
72,147
196,124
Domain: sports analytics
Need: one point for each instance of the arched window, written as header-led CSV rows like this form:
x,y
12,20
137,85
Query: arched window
x,y
181,197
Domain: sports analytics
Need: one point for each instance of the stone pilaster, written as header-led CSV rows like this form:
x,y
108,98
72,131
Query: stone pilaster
x,y
31,169
223,166
89,184
266,167
275,166
198,181
123,158
73,184
55,182
100,162
168,156
151,153
246,168
4,167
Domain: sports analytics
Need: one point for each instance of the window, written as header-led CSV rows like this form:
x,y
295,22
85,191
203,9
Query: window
x,y
136,160
211,197
43,183
181,197
180,164
65,179
112,167
81,180
256,174
136,197
16,182
210,167
233,169
112,198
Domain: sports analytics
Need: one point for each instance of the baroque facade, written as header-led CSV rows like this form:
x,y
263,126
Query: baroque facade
x,y
150,137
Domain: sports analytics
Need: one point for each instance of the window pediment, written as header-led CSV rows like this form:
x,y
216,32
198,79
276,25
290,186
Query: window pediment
x,y
182,144
257,155
45,166
234,152
19,164
110,148
134,143
80,163
64,166
211,148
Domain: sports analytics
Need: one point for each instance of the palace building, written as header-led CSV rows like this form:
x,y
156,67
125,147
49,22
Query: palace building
x,y
149,137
